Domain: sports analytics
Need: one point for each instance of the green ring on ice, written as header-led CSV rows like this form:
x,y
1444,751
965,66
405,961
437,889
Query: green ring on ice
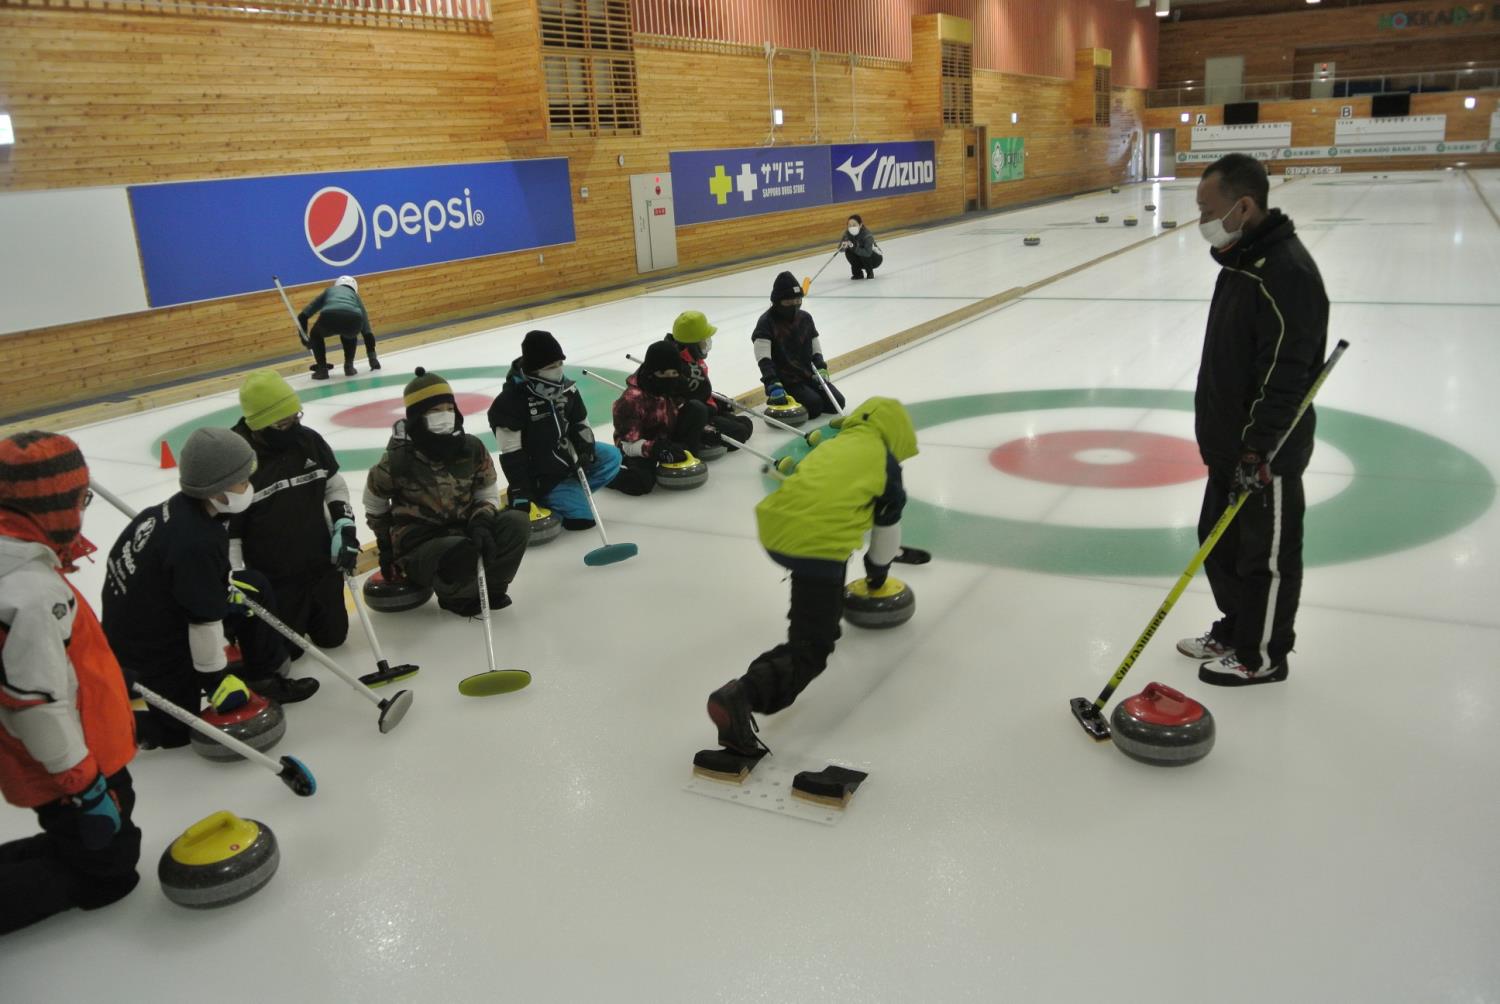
x,y
1389,505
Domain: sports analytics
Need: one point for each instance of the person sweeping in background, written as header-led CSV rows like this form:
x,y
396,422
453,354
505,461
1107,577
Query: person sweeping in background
x,y
341,313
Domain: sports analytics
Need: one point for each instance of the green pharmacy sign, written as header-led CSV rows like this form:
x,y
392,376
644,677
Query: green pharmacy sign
x,y
1007,158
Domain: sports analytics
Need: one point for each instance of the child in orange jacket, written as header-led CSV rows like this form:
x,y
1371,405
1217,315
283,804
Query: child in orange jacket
x,y
66,728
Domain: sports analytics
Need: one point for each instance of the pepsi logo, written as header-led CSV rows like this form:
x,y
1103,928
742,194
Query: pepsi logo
x,y
334,223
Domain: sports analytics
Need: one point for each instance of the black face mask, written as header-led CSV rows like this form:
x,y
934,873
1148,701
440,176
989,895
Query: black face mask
x,y
280,439
783,313
665,386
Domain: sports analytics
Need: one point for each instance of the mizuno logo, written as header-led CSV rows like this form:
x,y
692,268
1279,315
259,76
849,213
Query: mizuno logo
x,y
857,174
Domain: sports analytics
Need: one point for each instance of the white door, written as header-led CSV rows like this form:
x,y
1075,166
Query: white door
x,y
655,222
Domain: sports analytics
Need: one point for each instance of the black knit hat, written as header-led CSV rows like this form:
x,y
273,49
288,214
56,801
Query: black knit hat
x,y
538,350
661,356
786,287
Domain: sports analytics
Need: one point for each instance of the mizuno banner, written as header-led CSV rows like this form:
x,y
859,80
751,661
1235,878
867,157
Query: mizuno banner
x,y
876,170
201,240
712,185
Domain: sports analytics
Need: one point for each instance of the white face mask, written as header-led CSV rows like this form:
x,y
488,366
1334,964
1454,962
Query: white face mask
x,y
1214,232
552,374
854,230
441,423
706,344
235,501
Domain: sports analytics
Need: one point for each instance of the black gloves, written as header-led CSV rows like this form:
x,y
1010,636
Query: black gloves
x,y
664,451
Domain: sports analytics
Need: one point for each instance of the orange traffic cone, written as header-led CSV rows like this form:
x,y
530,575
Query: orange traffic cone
x,y
167,460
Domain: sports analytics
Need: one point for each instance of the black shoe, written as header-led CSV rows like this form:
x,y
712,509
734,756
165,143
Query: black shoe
x,y
461,605
869,273
573,523
499,600
1230,672
349,370
374,363
319,372
729,710
284,689
857,275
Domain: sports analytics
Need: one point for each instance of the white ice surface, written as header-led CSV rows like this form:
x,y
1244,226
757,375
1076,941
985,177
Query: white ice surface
x,y
1338,844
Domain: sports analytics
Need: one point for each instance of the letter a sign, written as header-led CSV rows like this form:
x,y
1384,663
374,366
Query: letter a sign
x,y
1202,119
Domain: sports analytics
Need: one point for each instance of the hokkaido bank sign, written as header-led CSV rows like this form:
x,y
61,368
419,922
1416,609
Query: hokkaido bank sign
x,y
1443,17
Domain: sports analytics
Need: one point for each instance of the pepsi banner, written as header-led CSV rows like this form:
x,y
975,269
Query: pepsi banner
x,y
877,170
711,185
201,240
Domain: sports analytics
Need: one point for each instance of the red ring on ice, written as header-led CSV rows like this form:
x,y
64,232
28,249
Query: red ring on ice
x,y
1153,460
383,414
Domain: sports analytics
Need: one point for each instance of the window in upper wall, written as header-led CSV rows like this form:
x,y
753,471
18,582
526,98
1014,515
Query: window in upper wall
x,y
958,84
588,63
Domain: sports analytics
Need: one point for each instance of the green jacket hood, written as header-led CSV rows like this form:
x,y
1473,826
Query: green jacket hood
x,y
888,417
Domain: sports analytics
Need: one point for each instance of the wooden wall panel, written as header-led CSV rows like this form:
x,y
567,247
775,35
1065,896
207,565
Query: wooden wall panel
x,y
1061,158
1313,125
1270,42
99,98
117,98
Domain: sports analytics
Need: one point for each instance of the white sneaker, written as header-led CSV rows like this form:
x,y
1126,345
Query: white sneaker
x,y
1205,646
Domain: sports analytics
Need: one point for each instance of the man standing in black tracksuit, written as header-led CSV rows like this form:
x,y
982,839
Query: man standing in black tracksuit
x,y
1267,332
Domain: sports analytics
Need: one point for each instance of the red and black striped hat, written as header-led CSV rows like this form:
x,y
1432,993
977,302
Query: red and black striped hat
x,y
43,474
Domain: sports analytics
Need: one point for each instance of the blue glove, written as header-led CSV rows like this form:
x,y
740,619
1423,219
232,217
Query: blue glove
x,y
776,394
344,546
98,815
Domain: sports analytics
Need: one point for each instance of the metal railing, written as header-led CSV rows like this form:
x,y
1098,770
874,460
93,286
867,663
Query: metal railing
x,y
451,15
1198,92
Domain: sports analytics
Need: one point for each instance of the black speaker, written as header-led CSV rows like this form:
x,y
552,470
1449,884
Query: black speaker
x,y
1389,105
1242,113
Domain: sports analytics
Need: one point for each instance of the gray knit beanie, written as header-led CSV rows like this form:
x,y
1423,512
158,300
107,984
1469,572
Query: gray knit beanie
x,y
213,460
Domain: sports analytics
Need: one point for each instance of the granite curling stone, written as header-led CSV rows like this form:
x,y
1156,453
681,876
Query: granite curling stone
x,y
683,475
1163,727
217,861
393,597
891,605
259,724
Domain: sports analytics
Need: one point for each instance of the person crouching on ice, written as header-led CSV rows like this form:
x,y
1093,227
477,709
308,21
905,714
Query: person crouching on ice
x,y
655,423
789,354
858,245
692,337
542,428
299,530
170,601
66,730
433,503
810,525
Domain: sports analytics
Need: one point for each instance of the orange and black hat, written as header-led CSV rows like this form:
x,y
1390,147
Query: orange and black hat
x,y
44,475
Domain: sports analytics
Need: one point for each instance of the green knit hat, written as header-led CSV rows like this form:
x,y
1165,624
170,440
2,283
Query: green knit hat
x,y
266,399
